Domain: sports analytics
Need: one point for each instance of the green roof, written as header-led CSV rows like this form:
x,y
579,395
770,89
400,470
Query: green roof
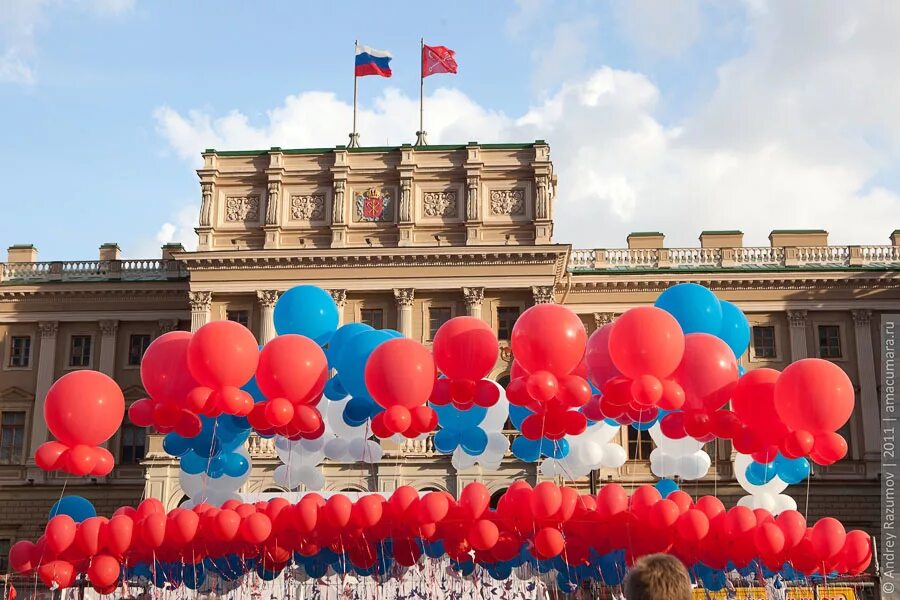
x,y
798,231
722,232
435,148
645,234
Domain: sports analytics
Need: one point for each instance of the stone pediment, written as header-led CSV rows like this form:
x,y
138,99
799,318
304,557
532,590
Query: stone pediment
x,y
15,394
132,393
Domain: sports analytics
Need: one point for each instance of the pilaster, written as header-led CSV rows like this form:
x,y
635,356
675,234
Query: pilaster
x,y
340,299
108,331
201,304
267,300
797,322
405,298
46,365
543,294
870,407
474,300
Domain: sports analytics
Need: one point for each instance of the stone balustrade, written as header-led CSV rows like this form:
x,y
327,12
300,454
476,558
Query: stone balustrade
x,y
760,257
143,269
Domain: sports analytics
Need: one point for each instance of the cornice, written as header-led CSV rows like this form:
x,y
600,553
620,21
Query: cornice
x,y
66,295
376,257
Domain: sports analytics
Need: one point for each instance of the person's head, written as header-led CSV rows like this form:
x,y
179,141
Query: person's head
x,y
658,577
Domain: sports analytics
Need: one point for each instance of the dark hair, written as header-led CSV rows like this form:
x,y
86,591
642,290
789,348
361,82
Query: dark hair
x,y
658,577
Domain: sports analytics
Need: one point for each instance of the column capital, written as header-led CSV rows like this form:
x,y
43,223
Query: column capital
x,y
404,296
108,327
543,294
797,318
339,297
48,329
267,298
200,300
603,318
862,317
473,295
167,325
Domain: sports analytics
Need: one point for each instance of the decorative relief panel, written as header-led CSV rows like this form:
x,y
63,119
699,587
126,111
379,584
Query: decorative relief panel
x,y
440,204
307,207
508,202
373,205
242,209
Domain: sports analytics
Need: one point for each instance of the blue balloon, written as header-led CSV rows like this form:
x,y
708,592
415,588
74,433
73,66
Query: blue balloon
x,y
77,507
338,342
741,370
791,471
252,388
612,422
695,308
176,445
525,449
307,310
450,417
517,414
351,364
735,329
760,474
558,449
193,464
666,487
434,549
473,441
236,464
334,390
446,440
357,410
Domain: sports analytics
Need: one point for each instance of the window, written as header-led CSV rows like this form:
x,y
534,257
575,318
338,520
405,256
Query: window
x,y
506,318
5,545
12,437
137,345
373,317
495,498
238,316
437,316
20,351
80,355
829,341
640,444
764,341
134,444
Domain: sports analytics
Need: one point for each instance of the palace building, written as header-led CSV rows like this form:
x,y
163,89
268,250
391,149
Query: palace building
x,y
407,238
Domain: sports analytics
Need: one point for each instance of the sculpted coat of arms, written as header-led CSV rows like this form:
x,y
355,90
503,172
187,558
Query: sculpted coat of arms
x,y
372,205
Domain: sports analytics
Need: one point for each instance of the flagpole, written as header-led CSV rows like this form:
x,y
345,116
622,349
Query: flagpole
x,y
354,137
420,134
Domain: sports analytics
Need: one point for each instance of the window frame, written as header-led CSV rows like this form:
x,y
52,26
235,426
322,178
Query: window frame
x,y
128,364
841,338
25,431
496,316
754,357
7,353
238,308
640,438
426,326
363,309
70,351
121,445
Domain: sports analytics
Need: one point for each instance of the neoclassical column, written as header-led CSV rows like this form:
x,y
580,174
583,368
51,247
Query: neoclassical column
x,y
404,298
474,299
603,318
201,303
267,300
543,294
870,408
108,331
45,371
340,299
164,326
797,322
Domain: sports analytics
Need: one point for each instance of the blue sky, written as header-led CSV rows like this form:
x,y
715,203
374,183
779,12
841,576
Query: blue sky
x,y
665,116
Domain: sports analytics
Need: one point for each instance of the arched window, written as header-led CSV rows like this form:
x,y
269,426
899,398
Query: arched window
x,y
183,500
503,380
495,497
273,490
429,489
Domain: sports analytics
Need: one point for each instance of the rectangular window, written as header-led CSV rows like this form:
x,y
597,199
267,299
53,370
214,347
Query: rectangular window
x,y
134,444
5,545
764,341
373,317
80,355
640,444
437,316
20,351
829,341
137,345
506,318
238,316
12,437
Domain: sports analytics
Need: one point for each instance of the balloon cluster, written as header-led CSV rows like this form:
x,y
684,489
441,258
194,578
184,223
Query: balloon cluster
x,y
402,393
540,524
214,451
82,409
465,351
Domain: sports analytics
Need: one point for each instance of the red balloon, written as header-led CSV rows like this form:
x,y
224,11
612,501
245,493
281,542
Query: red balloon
x,y
87,535
153,530
433,507
226,525
256,528
294,367
182,526
398,418
20,557
710,506
164,369
380,428
306,418
828,448
814,395
546,500
141,412
104,462
672,426
223,353
400,372
646,341
857,551
646,390
599,364
739,521
611,501
483,535
424,419
828,537
76,395
103,571
549,337
465,348
797,444
81,460
770,539
487,393
542,386
474,500
693,525
793,525
337,511
117,534
367,511
60,533
708,372
672,396
57,574
189,424
549,542
753,398
279,411
664,514
574,391
50,456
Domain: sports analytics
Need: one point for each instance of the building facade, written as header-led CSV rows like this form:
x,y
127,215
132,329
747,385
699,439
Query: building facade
x,y
406,238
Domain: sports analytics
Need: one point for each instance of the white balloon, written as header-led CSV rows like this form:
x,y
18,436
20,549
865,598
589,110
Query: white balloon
x,y
312,478
462,461
551,468
682,447
334,416
357,448
374,452
490,465
614,456
694,466
783,502
498,445
337,449
587,452
497,414
741,462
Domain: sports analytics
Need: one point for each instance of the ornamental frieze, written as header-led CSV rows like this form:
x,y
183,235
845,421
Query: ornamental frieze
x,y
508,202
242,209
307,207
440,204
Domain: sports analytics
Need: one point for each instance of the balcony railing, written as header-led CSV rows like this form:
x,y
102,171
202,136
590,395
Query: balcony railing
x,y
144,269
750,258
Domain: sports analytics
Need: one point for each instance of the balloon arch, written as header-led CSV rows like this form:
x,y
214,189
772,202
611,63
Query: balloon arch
x,y
324,392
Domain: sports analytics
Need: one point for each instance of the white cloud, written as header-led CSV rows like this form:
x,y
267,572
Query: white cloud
x,y
13,69
660,28
566,55
178,229
792,136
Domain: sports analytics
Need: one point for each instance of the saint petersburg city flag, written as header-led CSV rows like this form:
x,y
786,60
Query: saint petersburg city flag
x,y
370,61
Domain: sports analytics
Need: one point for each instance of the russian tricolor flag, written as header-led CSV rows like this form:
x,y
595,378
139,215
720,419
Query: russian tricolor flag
x,y
370,61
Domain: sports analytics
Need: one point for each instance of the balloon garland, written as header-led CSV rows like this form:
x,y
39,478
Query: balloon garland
x,y
321,391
